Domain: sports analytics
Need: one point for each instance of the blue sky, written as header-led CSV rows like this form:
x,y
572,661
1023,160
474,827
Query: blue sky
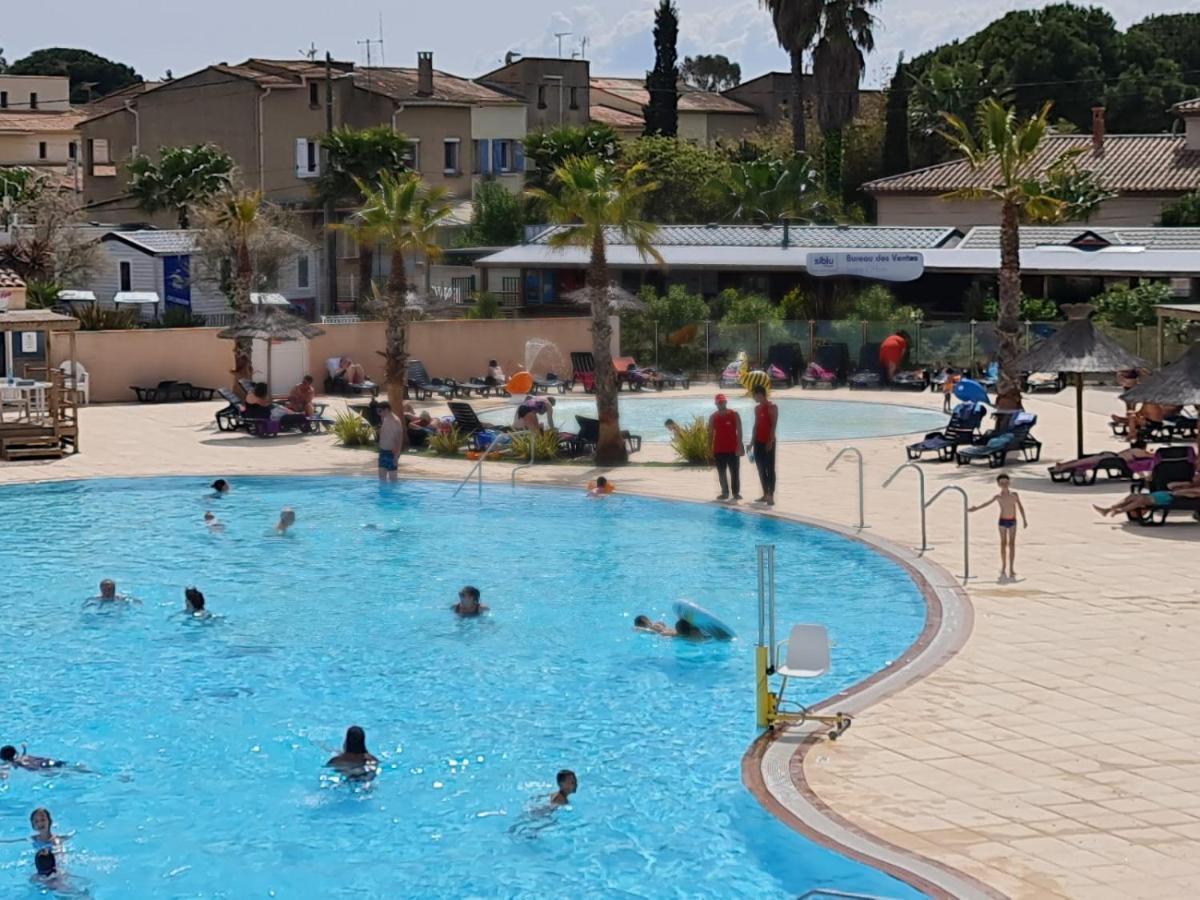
x,y
471,36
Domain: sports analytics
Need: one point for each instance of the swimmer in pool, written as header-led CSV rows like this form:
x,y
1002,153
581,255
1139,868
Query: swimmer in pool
x,y
600,487
193,603
643,623
287,518
567,785
468,604
108,595
355,761
220,487
23,760
214,524
43,834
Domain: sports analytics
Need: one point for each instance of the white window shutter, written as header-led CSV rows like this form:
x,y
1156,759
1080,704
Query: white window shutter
x,y
301,157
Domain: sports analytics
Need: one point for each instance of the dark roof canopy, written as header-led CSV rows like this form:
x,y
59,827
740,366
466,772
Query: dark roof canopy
x,y
1176,385
1079,347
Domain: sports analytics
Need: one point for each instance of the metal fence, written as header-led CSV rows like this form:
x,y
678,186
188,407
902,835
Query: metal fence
x,y
703,349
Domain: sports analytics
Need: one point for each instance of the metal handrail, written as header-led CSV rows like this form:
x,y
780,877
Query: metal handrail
x,y
858,453
921,478
966,524
766,599
501,439
532,451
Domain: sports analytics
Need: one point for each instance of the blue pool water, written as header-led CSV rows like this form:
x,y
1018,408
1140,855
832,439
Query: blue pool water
x,y
209,738
799,419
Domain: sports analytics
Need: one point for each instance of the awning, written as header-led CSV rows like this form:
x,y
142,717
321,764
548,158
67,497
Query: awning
x,y
77,296
269,300
138,298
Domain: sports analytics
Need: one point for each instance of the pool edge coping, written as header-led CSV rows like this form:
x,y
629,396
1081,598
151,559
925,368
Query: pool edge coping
x,y
773,765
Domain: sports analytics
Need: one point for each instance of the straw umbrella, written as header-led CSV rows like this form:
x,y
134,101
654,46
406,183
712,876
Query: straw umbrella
x,y
619,299
1078,348
1176,385
271,324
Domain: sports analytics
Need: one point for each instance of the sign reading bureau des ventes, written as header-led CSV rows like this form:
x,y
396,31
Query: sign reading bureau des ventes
x,y
882,265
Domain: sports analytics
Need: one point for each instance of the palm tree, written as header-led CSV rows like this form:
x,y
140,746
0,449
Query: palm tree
x,y
403,215
237,215
593,199
794,30
182,178
1007,147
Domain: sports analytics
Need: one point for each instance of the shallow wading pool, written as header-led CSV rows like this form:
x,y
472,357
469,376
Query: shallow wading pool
x,y
209,738
799,420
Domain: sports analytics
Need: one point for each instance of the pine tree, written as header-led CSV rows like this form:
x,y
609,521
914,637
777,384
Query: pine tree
x,y
895,136
662,83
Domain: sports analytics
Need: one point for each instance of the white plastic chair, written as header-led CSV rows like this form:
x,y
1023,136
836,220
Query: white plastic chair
x,y
82,382
807,654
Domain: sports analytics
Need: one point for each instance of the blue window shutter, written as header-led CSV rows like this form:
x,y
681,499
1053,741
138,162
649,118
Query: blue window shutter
x,y
496,156
518,157
484,159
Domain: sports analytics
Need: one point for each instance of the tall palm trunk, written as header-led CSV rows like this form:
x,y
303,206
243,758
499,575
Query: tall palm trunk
x,y
610,446
1009,320
833,152
799,135
396,340
243,348
366,272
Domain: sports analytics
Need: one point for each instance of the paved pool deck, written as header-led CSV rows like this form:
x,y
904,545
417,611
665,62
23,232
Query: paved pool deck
x,y
1056,753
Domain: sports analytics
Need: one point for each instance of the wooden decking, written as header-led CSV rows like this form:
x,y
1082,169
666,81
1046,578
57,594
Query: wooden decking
x,y
49,434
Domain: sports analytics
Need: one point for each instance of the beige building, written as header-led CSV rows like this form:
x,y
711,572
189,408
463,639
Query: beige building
x,y
555,91
704,117
39,127
1145,171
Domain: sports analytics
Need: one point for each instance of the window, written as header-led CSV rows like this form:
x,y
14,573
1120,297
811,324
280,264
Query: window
x,y
314,93
450,148
126,275
3,99
308,158
72,150
541,96
503,156
479,152
33,101
412,155
574,98
41,149
97,155
302,270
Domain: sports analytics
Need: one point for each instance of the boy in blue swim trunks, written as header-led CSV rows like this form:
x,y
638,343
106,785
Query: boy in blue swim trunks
x,y
1010,504
391,442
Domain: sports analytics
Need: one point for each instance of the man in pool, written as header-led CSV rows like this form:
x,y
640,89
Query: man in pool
x,y
213,523
391,443
468,604
355,762
644,623
287,518
220,487
567,785
193,603
108,589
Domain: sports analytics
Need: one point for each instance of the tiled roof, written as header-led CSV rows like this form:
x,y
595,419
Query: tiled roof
x,y
401,84
160,243
10,279
987,237
617,118
691,99
116,100
1187,107
863,237
42,122
1129,163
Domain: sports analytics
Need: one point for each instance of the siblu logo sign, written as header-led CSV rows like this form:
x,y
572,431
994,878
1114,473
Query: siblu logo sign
x,y
881,266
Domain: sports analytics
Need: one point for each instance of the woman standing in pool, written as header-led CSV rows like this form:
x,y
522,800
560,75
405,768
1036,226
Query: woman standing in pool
x,y
355,762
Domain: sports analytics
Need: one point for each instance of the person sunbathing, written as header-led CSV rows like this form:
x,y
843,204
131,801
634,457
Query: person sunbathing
x,y
1136,504
349,371
300,400
1184,485
355,762
1137,450
1148,414
495,374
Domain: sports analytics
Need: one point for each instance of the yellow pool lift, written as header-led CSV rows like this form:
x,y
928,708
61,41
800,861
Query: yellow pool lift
x,y
807,656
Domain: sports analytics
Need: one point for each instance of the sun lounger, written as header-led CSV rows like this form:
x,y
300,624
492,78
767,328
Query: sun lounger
x,y
480,434
335,385
230,418
1113,466
482,387
550,383
584,442
424,387
996,448
828,366
164,392
788,359
583,369
868,374
962,429
1175,467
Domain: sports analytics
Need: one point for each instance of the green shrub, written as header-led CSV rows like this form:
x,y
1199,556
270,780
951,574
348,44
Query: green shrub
x,y
750,309
693,443
877,303
353,430
446,443
1129,307
545,445
487,306
1033,309
175,317
100,318
41,294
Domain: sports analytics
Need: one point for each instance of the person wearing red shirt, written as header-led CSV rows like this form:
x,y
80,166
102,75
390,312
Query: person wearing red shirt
x,y
891,354
725,428
766,416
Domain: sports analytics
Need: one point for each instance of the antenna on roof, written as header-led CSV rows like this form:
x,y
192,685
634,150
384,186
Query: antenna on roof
x,y
310,53
367,42
560,35
583,42
382,58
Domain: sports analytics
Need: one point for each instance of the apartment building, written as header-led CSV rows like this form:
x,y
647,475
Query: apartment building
x,y
38,125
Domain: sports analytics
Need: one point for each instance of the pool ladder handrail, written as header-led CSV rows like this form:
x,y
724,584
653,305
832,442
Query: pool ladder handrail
x,y
501,439
966,533
921,478
858,454
532,451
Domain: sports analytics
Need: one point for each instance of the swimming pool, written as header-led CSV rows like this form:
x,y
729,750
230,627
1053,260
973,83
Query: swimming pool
x,y
210,737
799,419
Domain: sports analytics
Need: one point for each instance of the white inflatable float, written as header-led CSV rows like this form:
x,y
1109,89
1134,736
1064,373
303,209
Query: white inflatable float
x,y
705,621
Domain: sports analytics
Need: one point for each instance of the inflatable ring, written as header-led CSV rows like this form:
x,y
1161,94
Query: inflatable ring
x,y
704,621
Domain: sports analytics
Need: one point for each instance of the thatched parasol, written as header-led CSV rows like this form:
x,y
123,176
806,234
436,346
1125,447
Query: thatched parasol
x,y
619,299
1176,385
271,324
1079,348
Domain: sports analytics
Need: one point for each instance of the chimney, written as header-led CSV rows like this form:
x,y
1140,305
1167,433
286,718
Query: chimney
x,y
425,73
1097,130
